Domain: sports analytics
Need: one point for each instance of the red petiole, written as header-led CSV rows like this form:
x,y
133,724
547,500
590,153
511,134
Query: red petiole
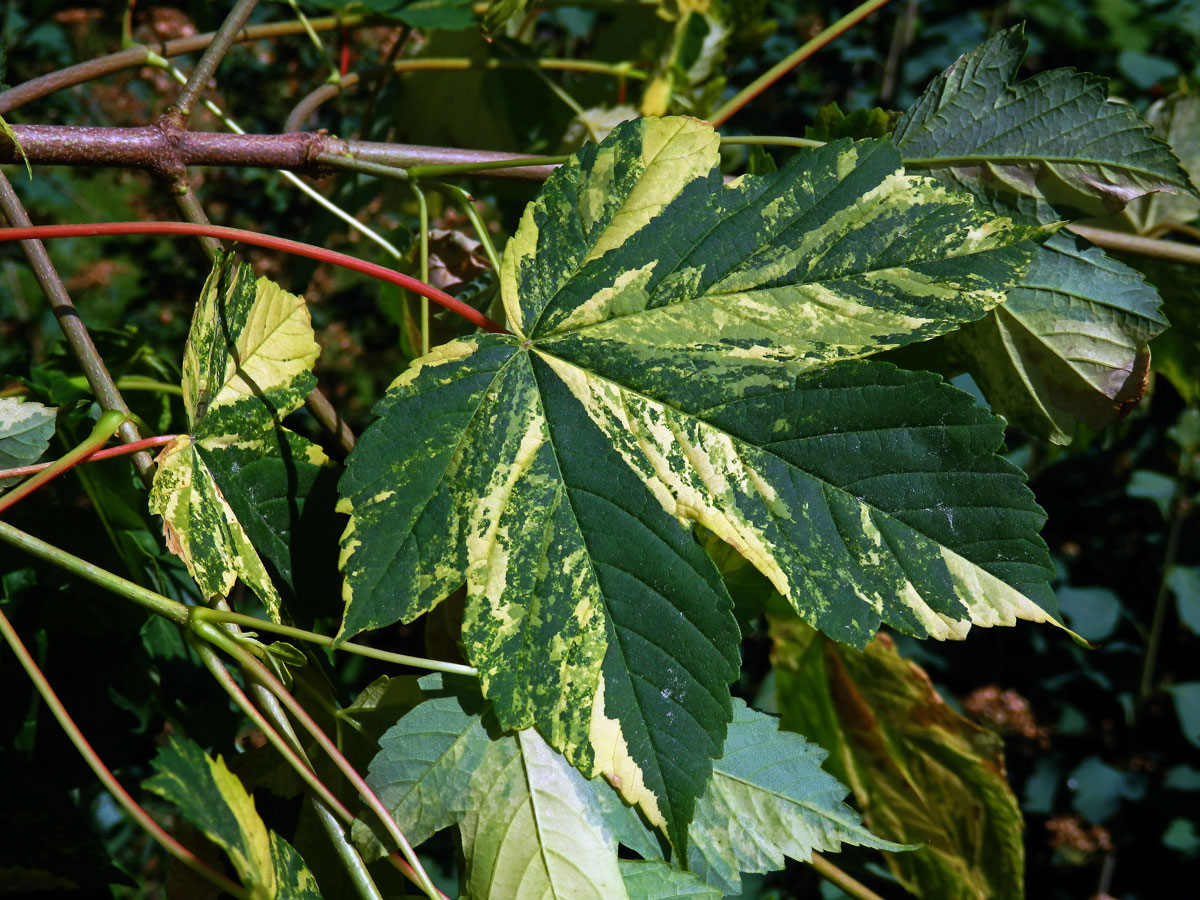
x,y
41,232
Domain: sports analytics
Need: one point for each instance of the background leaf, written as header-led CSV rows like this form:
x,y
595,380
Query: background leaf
x,y
921,772
1070,344
1051,139
26,428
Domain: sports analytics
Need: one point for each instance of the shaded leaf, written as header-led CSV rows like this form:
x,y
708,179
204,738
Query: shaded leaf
x,y
769,798
921,772
1184,582
238,473
293,879
212,799
1186,696
1050,139
671,368
1176,120
26,428
1070,345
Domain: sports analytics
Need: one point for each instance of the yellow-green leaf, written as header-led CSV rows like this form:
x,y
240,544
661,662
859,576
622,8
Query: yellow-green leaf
x,y
247,364
921,772
212,799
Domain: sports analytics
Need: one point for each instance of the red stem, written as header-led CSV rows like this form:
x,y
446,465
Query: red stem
x,y
122,796
134,447
297,248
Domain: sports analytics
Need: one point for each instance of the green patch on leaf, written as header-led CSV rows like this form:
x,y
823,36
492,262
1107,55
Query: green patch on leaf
x,y
223,489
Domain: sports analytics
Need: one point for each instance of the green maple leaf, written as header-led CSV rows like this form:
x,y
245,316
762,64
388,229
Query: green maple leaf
x,y
672,366
223,488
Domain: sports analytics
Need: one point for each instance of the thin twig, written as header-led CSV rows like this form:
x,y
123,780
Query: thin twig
x,y
78,339
123,798
157,150
141,55
213,54
777,71
1143,246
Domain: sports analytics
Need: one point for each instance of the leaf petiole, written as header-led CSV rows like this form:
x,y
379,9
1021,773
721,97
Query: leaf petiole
x,y
203,614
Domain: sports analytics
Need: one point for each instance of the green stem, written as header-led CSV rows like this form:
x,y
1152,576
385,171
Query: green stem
x,y
467,204
768,140
219,615
262,674
104,428
1162,598
157,603
423,232
845,881
351,861
293,756
362,166
123,798
436,171
777,71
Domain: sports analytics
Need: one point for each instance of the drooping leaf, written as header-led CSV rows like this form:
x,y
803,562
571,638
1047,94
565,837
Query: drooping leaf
x,y
769,798
531,825
673,349
1069,346
1051,139
212,799
920,772
238,479
1176,120
26,428
656,880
